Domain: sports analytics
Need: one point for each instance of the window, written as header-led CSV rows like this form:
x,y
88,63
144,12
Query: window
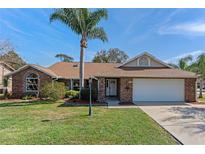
x,y
144,61
76,85
32,83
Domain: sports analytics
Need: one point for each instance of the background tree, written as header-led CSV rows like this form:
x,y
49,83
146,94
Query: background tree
x,y
13,59
5,46
199,68
101,57
173,65
9,56
64,57
113,55
184,62
84,23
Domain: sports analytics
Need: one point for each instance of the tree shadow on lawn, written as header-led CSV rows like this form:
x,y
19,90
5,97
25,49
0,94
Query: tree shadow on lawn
x,y
18,104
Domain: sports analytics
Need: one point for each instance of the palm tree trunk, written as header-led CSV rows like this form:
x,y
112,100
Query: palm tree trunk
x,y
81,70
201,88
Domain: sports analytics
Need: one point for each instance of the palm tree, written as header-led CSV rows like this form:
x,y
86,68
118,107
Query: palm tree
x,y
199,67
183,62
84,23
64,57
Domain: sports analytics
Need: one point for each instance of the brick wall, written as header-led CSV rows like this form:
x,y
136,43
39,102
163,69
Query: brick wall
x,y
101,89
19,84
190,90
125,89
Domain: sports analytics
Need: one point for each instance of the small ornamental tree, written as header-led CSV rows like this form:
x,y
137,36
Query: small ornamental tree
x,y
54,90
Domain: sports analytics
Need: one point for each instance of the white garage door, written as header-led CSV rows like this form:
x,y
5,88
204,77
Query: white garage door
x,y
158,90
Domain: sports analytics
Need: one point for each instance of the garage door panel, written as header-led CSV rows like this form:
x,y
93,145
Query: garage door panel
x,y
158,89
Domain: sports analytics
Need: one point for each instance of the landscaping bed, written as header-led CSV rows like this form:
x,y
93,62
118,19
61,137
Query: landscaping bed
x,y
78,102
201,100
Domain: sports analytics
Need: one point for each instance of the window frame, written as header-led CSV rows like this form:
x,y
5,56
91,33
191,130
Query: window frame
x,y
76,87
29,78
138,62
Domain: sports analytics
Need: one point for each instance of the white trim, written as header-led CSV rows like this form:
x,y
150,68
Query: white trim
x,y
138,61
149,55
26,84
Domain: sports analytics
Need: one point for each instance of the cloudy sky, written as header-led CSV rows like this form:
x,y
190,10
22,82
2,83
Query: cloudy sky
x,y
168,34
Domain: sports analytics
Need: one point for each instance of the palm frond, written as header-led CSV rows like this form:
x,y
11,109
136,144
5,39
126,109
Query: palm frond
x,y
82,21
95,17
98,33
67,17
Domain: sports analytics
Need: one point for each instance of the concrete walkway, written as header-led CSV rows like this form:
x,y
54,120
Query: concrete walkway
x,y
185,122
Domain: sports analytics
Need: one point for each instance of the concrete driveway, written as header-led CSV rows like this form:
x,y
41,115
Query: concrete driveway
x,y
185,122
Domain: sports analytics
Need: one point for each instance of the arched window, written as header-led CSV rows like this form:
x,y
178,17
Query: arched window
x,y
143,61
32,82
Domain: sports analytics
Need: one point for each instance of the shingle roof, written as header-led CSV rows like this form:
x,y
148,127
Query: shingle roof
x,y
40,68
44,69
71,70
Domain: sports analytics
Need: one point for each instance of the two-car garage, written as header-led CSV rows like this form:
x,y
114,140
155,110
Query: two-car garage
x,y
161,90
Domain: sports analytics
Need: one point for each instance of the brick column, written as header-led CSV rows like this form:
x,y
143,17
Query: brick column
x,y
101,89
190,90
125,89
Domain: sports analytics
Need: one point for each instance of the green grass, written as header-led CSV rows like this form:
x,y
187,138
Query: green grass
x,y
202,100
44,122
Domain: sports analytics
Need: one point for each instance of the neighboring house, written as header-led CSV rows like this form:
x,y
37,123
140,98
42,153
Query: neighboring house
x,y
4,70
143,78
198,84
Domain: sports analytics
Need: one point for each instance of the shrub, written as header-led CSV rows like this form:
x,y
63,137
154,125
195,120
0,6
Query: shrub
x,y
72,94
54,90
27,97
85,94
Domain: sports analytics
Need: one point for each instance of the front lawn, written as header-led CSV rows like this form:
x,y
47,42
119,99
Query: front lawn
x,y
43,122
201,100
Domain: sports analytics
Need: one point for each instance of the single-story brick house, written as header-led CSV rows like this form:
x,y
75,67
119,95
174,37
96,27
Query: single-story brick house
x,y
143,78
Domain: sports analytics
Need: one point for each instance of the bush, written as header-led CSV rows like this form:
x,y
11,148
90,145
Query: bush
x,y
72,94
27,97
85,94
54,90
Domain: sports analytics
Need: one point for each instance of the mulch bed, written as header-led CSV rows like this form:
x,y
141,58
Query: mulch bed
x,y
126,103
11,100
198,103
78,102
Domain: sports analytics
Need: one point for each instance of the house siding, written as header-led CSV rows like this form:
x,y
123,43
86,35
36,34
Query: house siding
x,y
18,81
190,90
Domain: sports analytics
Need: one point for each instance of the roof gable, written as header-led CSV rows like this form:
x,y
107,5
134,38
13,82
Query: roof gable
x,y
37,67
7,66
153,61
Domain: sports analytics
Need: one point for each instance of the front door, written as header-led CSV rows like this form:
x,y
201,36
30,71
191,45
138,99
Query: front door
x,y
111,87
